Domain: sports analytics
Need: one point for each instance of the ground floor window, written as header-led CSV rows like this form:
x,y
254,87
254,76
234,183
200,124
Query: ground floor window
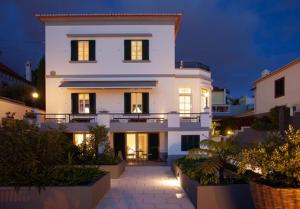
x,y
80,138
189,142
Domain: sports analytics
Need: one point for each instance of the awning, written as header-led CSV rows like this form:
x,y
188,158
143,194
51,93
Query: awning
x,y
108,84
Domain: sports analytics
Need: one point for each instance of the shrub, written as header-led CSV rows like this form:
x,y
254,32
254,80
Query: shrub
x,y
30,114
278,160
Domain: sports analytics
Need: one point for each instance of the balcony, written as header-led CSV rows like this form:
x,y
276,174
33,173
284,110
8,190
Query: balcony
x,y
119,122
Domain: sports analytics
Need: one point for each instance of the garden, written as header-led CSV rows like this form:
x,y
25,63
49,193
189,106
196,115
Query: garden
x,y
45,165
225,174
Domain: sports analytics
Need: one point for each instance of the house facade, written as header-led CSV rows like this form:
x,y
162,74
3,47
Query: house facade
x,y
278,88
119,70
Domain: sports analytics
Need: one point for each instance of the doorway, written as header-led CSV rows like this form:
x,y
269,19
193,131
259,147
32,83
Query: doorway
x,y
137,145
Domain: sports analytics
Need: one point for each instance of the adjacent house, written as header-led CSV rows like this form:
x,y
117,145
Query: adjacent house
x,y
278,88
10,77
119,70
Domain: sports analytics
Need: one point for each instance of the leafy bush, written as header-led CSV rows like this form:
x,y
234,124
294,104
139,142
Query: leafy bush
x,y
29,156
30,114
278,160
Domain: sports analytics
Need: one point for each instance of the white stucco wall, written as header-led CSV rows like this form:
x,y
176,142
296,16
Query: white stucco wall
x,y
7,105
264,93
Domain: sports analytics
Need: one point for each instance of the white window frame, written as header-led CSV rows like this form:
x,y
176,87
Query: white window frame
x,y
136,50
83,50
185,92
85,102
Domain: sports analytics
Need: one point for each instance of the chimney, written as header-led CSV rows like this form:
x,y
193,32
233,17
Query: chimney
x,y
265,72
28,71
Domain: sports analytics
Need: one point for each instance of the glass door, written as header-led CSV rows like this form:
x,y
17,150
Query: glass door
x,y
137,145
131,146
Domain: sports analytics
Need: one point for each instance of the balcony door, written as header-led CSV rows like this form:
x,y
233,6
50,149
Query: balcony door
x,y
136,145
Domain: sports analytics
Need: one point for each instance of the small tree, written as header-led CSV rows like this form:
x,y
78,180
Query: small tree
x,y
218,155
278,160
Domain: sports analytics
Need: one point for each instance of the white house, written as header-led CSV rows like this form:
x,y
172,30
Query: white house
x,y
278,88
119,70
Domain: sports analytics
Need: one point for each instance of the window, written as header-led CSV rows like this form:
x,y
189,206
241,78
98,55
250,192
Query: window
x,y
136,50
81,138
136,103
189,142
279,87
84,103
204,99
185,101
83,51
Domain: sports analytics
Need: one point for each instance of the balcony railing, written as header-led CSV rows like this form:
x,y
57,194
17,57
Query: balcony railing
x,y
67,118
182,64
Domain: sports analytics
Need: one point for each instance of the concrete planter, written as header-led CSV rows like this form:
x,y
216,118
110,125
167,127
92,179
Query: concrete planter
x,y
114,170
64,197
233,196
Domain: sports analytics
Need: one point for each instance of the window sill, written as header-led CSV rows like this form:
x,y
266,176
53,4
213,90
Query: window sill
x,y
83,61
136,61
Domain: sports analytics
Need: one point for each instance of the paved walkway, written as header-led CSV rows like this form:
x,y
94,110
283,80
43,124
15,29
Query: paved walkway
x,y
146,187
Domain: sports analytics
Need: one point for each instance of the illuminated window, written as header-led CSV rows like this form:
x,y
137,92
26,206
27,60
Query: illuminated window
x,y
136,50
136,103
83,51
84,103
81,138
204,99
185,101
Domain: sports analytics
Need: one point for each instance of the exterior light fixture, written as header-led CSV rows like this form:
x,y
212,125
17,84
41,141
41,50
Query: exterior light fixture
x,y
229,132
35,95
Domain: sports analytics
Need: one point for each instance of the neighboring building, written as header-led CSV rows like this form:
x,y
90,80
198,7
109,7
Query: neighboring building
x,y
119,70
10,77
278,88
225,106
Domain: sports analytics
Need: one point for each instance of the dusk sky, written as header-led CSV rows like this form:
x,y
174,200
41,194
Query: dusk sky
x,y
237,39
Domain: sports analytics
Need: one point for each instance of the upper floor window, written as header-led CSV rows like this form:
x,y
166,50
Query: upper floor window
x,y
185,101
136,50
136,102
83,103
279,87
83,50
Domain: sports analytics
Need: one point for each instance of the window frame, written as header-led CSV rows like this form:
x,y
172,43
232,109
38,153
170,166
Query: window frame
x,y
185,94
84,103
83,51
136,51
277,92
131,102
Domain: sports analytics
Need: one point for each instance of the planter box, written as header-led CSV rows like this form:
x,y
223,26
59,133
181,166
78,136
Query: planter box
x,y
266,197
114,170
234,196
56,197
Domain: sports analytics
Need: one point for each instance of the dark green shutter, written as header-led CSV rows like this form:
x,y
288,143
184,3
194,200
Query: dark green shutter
x,y
184,141
127,103
74,103
145,45
127,49
92,50
92,97
145,101
74,50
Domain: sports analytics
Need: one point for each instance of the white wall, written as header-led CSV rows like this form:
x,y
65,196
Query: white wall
x,y
110,50
174,140
7,105
264,93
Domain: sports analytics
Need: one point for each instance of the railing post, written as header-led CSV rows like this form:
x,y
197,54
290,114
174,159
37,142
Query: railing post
x,y
103,119
205,119
173,119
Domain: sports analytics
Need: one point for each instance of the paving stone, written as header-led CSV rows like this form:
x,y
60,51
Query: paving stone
x,y
145,187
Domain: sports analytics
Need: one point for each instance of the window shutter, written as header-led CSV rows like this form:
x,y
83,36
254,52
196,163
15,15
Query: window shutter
x,y
92,50
74,101
92,97
127,49
74,50
145,101
145,46
184,140
127,103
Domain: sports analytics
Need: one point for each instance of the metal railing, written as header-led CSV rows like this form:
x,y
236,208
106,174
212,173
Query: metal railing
x,y
138,117
67,117
182,64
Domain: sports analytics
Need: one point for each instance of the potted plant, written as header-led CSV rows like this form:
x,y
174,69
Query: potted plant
x,y
30,116
278,162
210,180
